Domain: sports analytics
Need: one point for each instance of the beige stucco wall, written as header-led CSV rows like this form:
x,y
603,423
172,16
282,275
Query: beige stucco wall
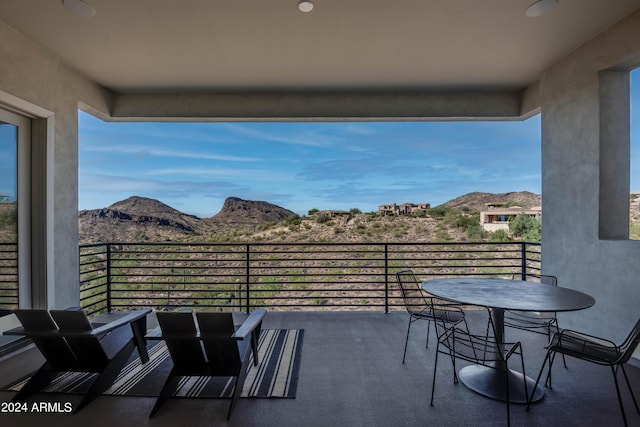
x,y
46,88
578,122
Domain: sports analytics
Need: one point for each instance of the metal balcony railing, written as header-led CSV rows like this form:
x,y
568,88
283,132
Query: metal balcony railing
x,y
8,276
281,276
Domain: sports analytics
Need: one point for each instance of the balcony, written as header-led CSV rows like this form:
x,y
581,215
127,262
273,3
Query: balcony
x,y
345,299
351,374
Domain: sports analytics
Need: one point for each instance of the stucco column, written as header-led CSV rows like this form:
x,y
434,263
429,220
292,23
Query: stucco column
x,y
585,188
64,286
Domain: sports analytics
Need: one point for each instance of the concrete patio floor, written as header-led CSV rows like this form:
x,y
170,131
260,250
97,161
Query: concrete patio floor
x,y
352,375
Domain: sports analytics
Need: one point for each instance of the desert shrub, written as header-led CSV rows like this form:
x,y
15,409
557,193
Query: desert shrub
x,y
442,235
526,227
499,236
438,212
475,233
293,219
465,222
323,219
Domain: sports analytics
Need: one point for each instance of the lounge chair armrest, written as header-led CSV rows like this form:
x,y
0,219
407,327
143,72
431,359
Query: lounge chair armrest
x,y
124,320
253,321
20,331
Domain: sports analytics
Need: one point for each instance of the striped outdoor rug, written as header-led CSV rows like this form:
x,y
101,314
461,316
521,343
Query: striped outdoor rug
x,y
276,376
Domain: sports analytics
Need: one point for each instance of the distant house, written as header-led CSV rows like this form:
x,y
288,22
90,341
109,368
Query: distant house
x,y
403,209
496,216
4,198
332,213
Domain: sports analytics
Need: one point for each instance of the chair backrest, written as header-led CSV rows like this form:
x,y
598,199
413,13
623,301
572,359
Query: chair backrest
x,y
49,331
548,280
207,344
629,345
415,299
87,348
541,278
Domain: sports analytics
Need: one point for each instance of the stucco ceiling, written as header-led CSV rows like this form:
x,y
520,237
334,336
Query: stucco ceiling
x,y
132,46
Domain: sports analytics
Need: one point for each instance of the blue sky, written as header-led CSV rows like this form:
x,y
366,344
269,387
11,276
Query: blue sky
x,y
193,167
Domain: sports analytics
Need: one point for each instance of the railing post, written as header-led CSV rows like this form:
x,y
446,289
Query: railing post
x,y
108,278
523,258
386,278
248,276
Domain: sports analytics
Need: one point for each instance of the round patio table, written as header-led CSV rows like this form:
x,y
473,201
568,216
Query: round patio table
x,y
500,295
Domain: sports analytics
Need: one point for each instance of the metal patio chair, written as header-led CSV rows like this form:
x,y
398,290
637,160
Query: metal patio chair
x,y
207,345
483,350
69,343
420,306
537,322
596,350
533,321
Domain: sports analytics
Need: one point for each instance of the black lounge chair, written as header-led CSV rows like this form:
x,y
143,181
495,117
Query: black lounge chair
x,y
69,343
209,347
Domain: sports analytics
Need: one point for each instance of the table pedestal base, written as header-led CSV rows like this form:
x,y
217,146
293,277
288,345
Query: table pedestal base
x,y
490,382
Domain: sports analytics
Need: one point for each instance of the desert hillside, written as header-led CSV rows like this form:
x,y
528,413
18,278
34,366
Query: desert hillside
x,y
478,201
139,219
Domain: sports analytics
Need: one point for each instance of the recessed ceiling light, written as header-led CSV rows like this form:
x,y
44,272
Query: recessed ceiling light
x,y
541,7
305,6
79,7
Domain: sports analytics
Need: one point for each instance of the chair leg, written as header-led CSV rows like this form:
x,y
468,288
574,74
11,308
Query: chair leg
x,y
564,359
552,359
255,342
506,380
428,329
435,370
453,363
37,382
237,390
234,397
169,387
524,375
535,386
107,376
635,402
406,340
615,380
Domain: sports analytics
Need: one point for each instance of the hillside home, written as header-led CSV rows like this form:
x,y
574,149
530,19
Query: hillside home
x,y
402,209
496,216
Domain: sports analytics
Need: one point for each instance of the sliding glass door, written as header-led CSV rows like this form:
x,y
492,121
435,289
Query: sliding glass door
x,y
14,208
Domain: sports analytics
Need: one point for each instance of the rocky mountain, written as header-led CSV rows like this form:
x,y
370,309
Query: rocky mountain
x,y
238,211
143,219
478,201
137,219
